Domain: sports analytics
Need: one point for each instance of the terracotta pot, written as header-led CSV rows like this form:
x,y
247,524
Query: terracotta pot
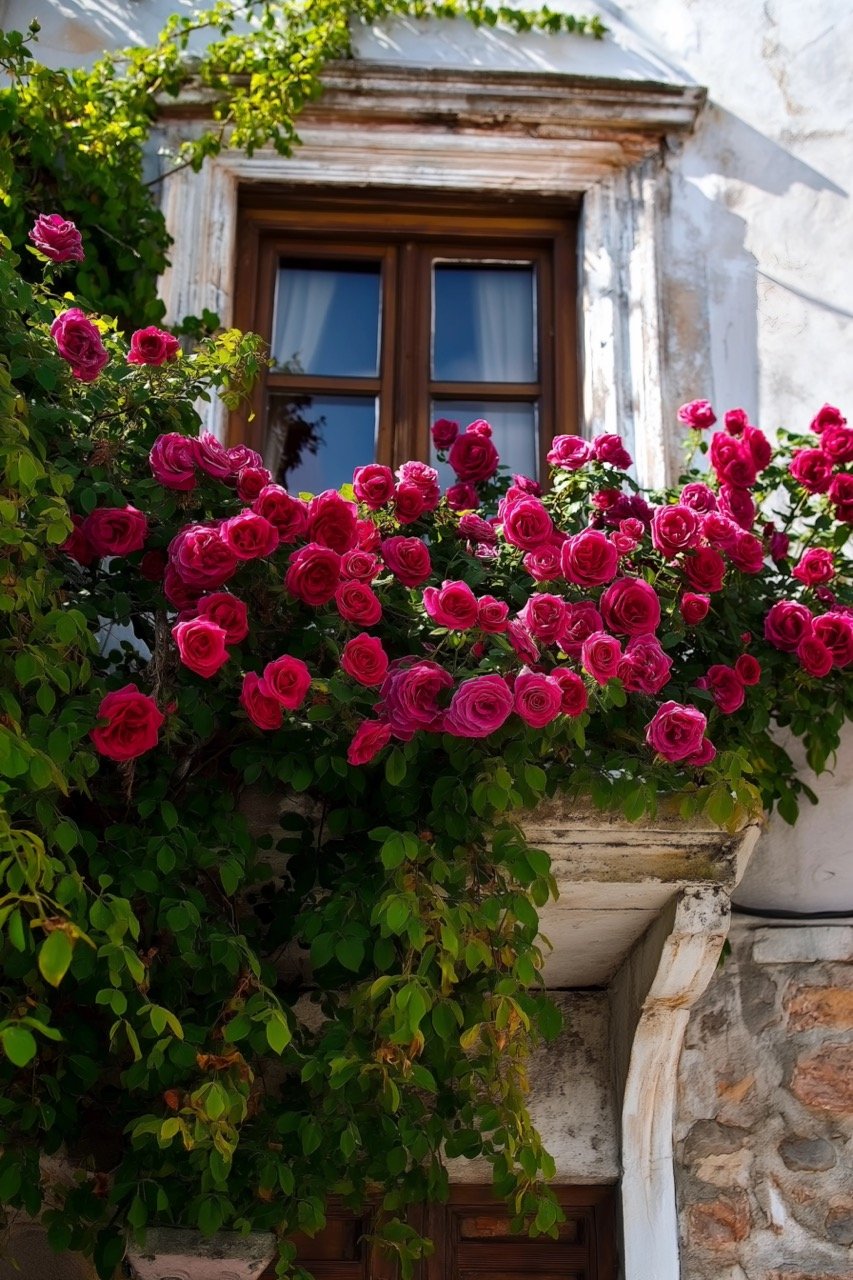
x,y
171,1253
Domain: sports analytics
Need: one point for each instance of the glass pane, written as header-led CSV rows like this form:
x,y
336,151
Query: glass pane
x,y
316,442
515,432
327,319
484,323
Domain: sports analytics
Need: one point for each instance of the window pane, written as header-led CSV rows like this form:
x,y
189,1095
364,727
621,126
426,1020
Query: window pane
x,y
327,319
515,432
316,442
484,327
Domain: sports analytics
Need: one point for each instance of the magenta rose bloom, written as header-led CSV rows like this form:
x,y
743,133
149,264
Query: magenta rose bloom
x,y
725,686
289,515
524,484
544,564
600,655
288,681
812,469
116,531
251,481
738,505
693,607
522,641
177,592
444,431
369,739
425,479
332,521
582,620
815,657
778,542
748,669
732,460
241,456
211,457
79,342
201,558
841,496
698,497
835,630
705,754
77,545
357,602
201,644
363,566
462,497
837,443
545,617
409,503
526,524
538,699
828,416
478,707
630,607
610,449
152,346
373,485
569,453
697,414
473,457
675,731
313,574
257,701
250,536
492,615
760,448
172,461
57,238
408,559
453,605
574,698
644,667
364,659
736,420
476,529
479,427
704,569
589,559
815,567
747,552
409,696
786,624
227,612
132,725
368,535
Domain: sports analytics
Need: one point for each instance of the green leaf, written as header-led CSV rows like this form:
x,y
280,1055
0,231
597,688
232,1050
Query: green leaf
x,y
395,767
350,952
19,1045
278,1033
55,956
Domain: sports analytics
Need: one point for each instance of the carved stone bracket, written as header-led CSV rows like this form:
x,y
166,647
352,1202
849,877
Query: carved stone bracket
x,y
174,1254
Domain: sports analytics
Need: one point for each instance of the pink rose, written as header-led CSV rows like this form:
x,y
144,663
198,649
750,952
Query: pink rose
x,y
453,605
241,456
288,681
815,657
786,624
287,514
812,469
589,559
537,699
364,659
251,481
748,669
373,485
816,566
779,543
610,449
841,497
699,498
720,530
77,545
409,503
172,461
569,453
630,607
623,544
632,528
444,432
369,739
726,687
479,427
257,701
152,346
473,457
201,644
694,608
424,478
738,505
368,535
313,574
704,569
544,563
177,592
828,416
250,536
736,420
201,558
57,238
227,612
760,448
522,641
544,616
732,460
835,630
747,553
645,667
600,655
705,754
492,615
526,524
132,726
837,443
116,531
361,565
478,707
675,731
211,457
582,620
409,696
408,559
573,695
79,342
697,414
357,602
476,529
524,484
462,497
332,521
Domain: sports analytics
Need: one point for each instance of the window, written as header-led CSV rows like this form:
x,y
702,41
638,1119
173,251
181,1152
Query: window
x,y
382,318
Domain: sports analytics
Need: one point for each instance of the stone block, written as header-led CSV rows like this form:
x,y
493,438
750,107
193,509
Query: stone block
x,y
803,944
715,1224
807,1155
823,1081
710,1138
839,1222
824,1006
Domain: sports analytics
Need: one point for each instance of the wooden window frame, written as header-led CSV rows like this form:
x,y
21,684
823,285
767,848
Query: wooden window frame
x,y
405,235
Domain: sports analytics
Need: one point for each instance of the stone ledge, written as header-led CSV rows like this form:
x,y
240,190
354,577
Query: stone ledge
x,y
788,943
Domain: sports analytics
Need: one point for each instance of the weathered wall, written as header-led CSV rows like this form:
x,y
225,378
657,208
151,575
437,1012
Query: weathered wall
x,y
764,1135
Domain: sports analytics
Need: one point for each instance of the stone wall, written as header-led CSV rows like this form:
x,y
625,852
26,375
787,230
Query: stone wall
x,y
764,1132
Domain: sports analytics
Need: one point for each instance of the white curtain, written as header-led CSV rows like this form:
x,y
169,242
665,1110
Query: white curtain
x,y
304,302
503,317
